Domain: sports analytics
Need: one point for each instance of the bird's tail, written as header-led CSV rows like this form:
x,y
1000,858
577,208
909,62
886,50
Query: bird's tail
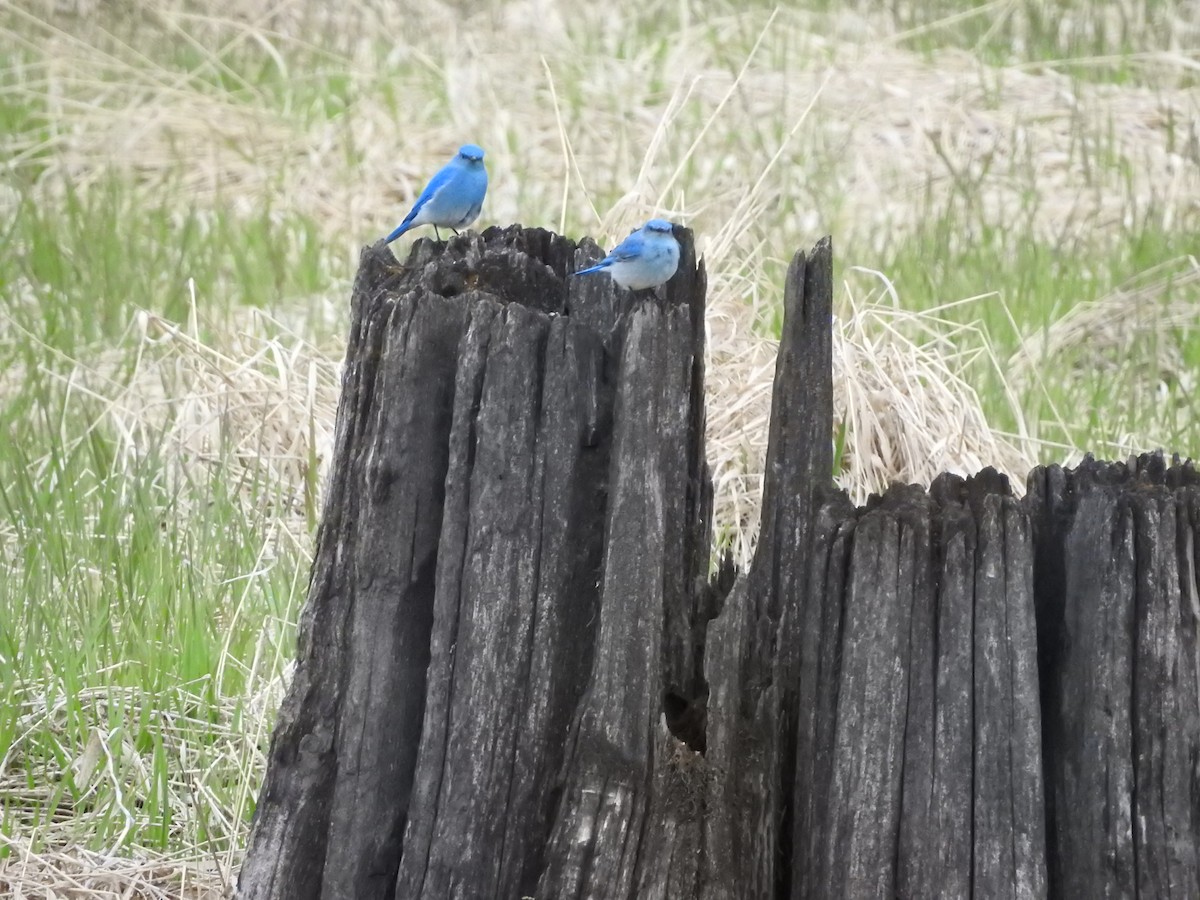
x,y
400,229
598,267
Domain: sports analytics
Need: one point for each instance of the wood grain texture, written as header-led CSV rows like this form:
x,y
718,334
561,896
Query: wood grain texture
x,y
513,551
518,677
754,656
1116,589
595,847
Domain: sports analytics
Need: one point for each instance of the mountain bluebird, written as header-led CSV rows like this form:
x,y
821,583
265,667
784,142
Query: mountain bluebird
x,y
453,196
645,259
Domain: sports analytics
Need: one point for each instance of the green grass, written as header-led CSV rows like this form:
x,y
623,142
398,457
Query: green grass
x,y
1096,390
130,610
141,603
1106,42
90,259
148,593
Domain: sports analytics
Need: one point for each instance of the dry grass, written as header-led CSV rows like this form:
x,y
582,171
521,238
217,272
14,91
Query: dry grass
x,y
905,402
898,125
1109,327
73,873
901,394
1139,327
41,859
1010,143
256,406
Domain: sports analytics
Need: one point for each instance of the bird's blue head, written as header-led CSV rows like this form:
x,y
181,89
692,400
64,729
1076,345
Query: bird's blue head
x,y
660,225
471,153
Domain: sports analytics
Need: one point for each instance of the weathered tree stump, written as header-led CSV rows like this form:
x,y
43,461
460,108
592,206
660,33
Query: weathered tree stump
x,y
516,677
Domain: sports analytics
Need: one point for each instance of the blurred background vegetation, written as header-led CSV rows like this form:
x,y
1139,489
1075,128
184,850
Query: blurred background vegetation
x,y
1012,188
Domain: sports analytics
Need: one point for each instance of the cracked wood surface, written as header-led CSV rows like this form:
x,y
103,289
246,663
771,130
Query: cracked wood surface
x,y
517,677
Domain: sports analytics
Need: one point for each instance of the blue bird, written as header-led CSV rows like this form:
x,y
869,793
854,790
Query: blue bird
x,y
645,259
452,198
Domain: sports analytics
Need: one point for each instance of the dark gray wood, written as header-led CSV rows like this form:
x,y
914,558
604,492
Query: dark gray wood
x,y
361,592
1117,621
1009,832
1165,728
1089,745
938,760
524,512
819,644
486,606
755,660
595,848
942,863
518,677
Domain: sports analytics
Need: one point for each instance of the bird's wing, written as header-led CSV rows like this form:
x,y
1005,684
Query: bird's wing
x,y
436,183
630,248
